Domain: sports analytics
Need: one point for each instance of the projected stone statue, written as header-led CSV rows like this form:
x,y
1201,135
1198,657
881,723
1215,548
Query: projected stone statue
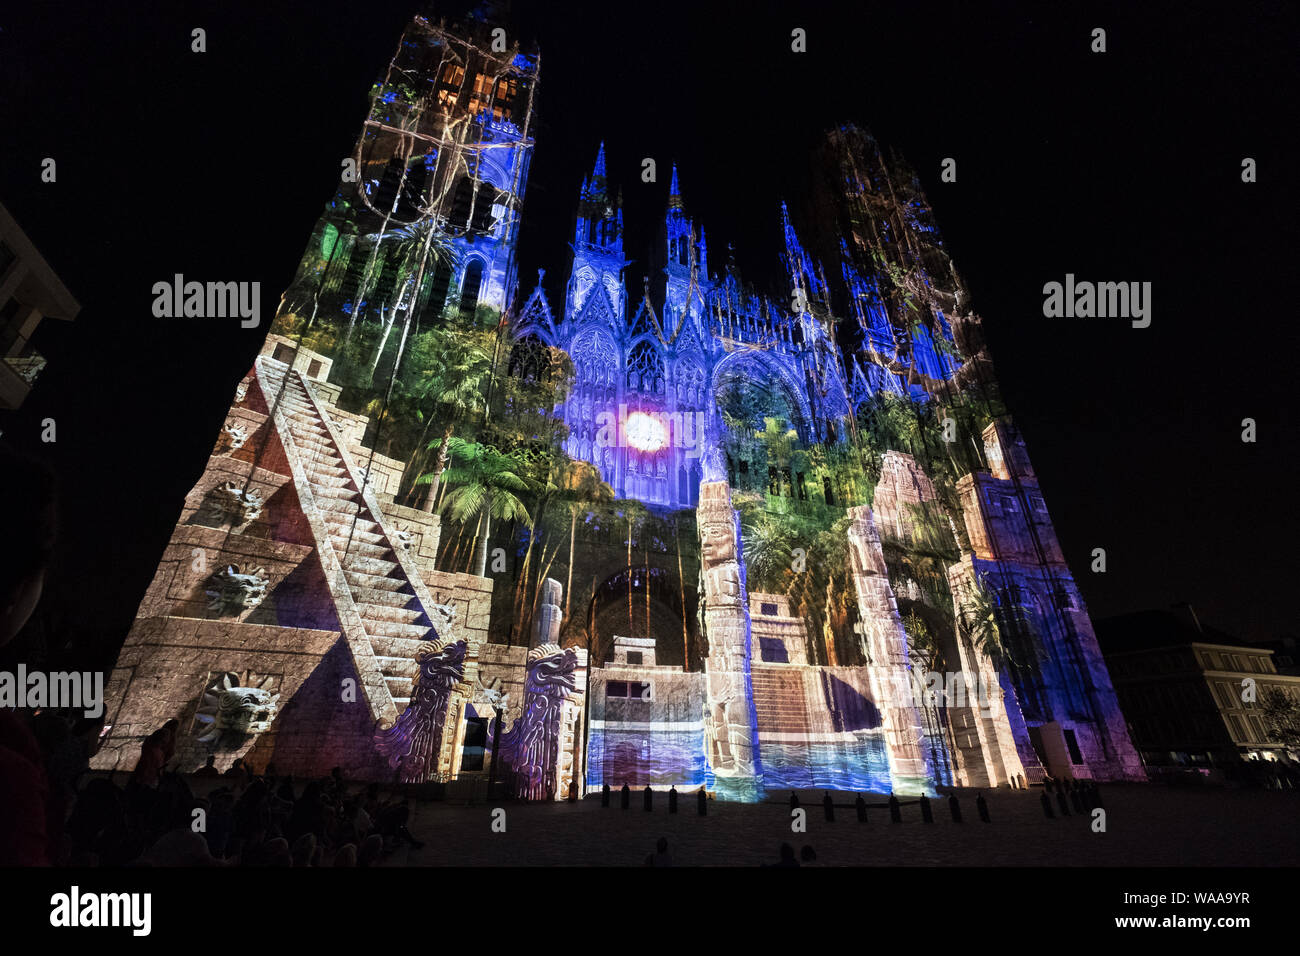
x,y
233,709
415,743
533,747
231,591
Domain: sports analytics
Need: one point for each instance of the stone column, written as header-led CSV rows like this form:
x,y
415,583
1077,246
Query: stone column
x,y
890,677
989,720
731,728
546,625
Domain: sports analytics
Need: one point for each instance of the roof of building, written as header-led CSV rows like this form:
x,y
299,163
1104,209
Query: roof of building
x,y
1142,630
41,287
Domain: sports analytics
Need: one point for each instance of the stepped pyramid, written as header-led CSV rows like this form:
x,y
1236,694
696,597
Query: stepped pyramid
x,y
291,572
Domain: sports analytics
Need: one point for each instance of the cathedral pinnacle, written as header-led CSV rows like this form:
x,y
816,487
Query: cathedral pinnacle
x,y
674,192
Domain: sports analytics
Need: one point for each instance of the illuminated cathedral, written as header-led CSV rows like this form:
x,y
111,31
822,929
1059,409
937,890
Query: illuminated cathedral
x,y
695,534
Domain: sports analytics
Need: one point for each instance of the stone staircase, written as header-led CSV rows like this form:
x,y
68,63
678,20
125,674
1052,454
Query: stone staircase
x,y
383,605
779,701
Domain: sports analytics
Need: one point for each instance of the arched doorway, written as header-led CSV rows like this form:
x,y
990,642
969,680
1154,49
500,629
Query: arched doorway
x,y
645,603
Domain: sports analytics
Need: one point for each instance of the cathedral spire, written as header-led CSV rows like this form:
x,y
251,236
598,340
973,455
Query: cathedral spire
x,y
804,274
674,192
787,230
595,189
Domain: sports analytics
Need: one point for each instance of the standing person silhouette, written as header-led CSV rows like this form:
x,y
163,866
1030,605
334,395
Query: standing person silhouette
x,y
29,819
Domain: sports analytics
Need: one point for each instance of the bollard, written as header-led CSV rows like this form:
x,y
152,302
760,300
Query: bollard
x,y
794,800
1062,803
672,800
625,797
649,799
982,807
895,811
861,806
828,805
954,808
702,802
927,813
604,795
1047,806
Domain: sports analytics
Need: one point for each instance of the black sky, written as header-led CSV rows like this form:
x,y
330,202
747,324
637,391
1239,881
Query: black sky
x,y
1123,166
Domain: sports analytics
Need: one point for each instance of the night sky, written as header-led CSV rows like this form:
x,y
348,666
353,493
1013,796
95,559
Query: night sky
x,y
1123,166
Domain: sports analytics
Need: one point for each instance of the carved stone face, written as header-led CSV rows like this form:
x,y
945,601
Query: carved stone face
x,y
442,664
236,435
230,591
236,706
246,710
552,671
718,542
242,506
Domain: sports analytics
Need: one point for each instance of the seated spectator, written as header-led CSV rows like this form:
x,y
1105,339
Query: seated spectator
x,y
787,857
209,769
180,847
158,748
661,856
372,849
346,856
304,848
392,824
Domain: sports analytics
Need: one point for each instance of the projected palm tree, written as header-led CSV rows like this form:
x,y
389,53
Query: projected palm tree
x,y
484,484
582,485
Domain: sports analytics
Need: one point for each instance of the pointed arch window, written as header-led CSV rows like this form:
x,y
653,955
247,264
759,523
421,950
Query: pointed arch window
x,y
469,289
645,369
529,359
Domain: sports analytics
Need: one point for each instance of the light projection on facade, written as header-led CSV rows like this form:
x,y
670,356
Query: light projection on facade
x,y
645,432
693,534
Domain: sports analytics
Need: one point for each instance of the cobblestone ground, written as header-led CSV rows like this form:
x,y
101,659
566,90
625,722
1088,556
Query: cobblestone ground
x,y
1145,826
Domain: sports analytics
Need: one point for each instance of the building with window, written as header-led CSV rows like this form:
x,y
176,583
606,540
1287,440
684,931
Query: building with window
x,y
1195,697
29,292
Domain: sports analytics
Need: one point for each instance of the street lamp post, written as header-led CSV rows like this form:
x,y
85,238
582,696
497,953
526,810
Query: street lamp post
x,y
496,749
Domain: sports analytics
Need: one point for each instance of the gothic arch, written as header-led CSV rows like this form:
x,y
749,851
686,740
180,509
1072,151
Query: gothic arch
x,y
766,368
529,357
645,368
472,280
663,617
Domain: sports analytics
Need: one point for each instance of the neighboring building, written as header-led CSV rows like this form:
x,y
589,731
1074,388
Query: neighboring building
x,y
1286,654
29,291
304,614
1192,696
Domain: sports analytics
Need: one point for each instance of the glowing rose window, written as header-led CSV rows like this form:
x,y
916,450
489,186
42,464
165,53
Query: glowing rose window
x,y
645,432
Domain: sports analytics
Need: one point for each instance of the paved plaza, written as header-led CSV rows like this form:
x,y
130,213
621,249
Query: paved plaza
x,y
1145,826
